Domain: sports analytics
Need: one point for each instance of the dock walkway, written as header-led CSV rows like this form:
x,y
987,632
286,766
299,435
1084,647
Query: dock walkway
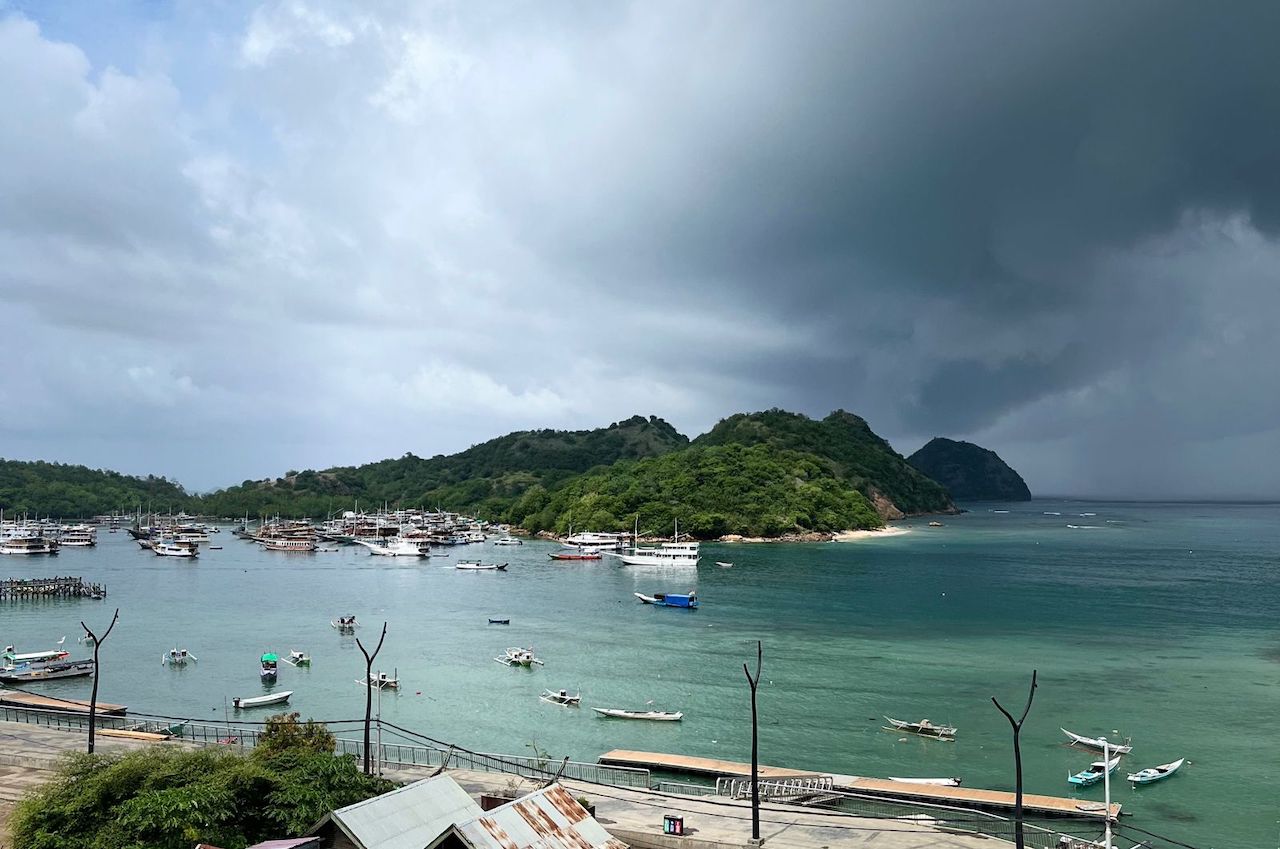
x,y
12,589
993,800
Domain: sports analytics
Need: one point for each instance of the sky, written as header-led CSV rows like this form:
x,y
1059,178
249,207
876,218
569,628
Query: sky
x,y
242,238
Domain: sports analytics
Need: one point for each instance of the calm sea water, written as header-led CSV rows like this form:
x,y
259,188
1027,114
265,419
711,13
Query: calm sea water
x,y
1158,622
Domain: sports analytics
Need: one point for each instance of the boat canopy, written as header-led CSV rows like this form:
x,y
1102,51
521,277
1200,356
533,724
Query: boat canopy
x,y
269,658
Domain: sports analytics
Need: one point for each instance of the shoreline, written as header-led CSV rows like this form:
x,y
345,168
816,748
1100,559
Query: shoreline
x,y
841,536
886,531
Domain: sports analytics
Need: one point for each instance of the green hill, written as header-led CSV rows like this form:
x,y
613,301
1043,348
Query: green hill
x,y
858,457
757,490
970,472
487,479
65,491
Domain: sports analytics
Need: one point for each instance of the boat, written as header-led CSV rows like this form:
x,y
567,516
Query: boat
x,y
175,548
297,658
519,657
508,540
79,536
396,547
1095,772
28,672
652,715
724,565
932,782
1097,743
595,541
177,657
288,544
580,554
499,621
477,566
262,701
935,524
562,697
269,666
689,601
18,658
381,681
924,728
28,543
1156,773
345,624
671,554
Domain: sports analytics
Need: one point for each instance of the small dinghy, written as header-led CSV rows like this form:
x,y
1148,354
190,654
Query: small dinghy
x,y
1095,772
477,566
689,601
932,782
724,565
1096,743
499,621
297,658
382,681
1156,773
651,715
924,728
562,697
177,657
262,701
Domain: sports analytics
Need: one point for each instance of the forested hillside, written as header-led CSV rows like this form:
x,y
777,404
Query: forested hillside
x,y
65,491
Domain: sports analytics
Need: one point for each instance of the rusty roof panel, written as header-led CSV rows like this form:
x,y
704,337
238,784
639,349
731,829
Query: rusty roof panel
x,y
548,819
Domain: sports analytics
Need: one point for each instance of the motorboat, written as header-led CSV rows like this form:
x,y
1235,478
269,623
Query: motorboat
x,y
262,701
688,601
177,657
1098,743
169,547
1156,773
519,657
297,658
562,697
28,672
396,547
270,666
18,658
578,554
651,715
924,728
1095,772
508,540
381,681
477,566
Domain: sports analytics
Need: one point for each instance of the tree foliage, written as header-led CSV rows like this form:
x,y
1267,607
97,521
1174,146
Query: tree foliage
x,y
172,798
65,491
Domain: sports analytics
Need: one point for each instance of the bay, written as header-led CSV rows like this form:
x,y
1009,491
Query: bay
x,y
1156,621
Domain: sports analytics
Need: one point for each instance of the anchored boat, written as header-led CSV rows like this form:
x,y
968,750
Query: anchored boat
x,y
689,601
1095,772
269,667
519,657
262,701
177,657
345,624
477,566
1098,743
651,715
562,697
1156,773
29,672
297,658
924,728
381,681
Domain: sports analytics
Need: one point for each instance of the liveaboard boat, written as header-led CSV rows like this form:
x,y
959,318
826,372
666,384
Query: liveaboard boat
x,y
302,544
170,547
78,536
27,542
669,554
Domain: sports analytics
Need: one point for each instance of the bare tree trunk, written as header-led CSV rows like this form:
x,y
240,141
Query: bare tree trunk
x,y
755,744
368,694
1019,839
97,673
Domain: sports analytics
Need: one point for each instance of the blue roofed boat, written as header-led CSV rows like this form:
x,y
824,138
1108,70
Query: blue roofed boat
x,y
689,601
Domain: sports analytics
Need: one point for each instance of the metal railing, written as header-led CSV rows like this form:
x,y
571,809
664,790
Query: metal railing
x,y
776,789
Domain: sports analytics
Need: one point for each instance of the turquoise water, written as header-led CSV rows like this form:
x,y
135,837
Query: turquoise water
x,y
1158,622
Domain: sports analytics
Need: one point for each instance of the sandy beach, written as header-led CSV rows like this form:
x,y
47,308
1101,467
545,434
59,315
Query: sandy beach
x,y
853,536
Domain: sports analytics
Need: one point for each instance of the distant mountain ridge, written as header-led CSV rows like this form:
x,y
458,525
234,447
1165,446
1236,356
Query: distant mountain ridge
x,y
970,472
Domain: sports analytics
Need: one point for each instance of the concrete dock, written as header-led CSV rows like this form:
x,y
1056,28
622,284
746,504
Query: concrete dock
x,y
964,797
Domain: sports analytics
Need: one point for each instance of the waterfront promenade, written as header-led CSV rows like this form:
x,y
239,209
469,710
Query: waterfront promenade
x,y
29,754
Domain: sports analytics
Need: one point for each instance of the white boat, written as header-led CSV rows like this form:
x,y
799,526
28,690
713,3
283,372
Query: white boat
x,y
669,554
28,543
508,540
79,536
1156,773
175,548
595,541
177,657
933,782
724,565
381,681
651,715
345,624
396,547
562,697
477,566
15,658
1094,773
519,657
924,728
262,701
1096,743
297,658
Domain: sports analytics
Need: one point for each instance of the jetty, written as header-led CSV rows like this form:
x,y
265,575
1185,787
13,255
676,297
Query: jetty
x,y
62,587
18,698
971,797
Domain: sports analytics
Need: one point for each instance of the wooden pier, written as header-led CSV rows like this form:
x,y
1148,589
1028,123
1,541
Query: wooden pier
x,y
12,589
17,698
960,797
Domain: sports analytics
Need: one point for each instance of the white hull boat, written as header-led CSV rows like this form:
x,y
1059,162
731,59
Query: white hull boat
x,y
650,715
477,566
396,547
924,728
175,548
519,657
177,657
262,701
932,782
1156,773
1096,743
563,698
381,681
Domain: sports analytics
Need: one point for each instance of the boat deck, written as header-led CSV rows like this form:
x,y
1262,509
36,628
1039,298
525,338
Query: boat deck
x,y
16,698
995,800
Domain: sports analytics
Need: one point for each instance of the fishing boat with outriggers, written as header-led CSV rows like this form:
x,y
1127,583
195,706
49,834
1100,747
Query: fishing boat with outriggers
x,y
924,728
650,715
177,657
518,656
29,672
1095,773
297,658
1156,773
345,624
689,601
477,566
1098,743
562,697
382,681
270,667
262,701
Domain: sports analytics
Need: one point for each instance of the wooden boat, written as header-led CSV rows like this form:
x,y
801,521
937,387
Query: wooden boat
x,y
177,657
477,566
932,782
576,555
519,657
499,621
297,658
269,666
651,715
1096,743
345,624
175,548
381,681
688,601
924,728
562,697
18,658
262,701
1095,772
1156,773
29,672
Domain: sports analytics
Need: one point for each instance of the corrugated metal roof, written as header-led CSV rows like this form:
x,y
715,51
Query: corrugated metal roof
x,y
548,819
288,843
411,817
